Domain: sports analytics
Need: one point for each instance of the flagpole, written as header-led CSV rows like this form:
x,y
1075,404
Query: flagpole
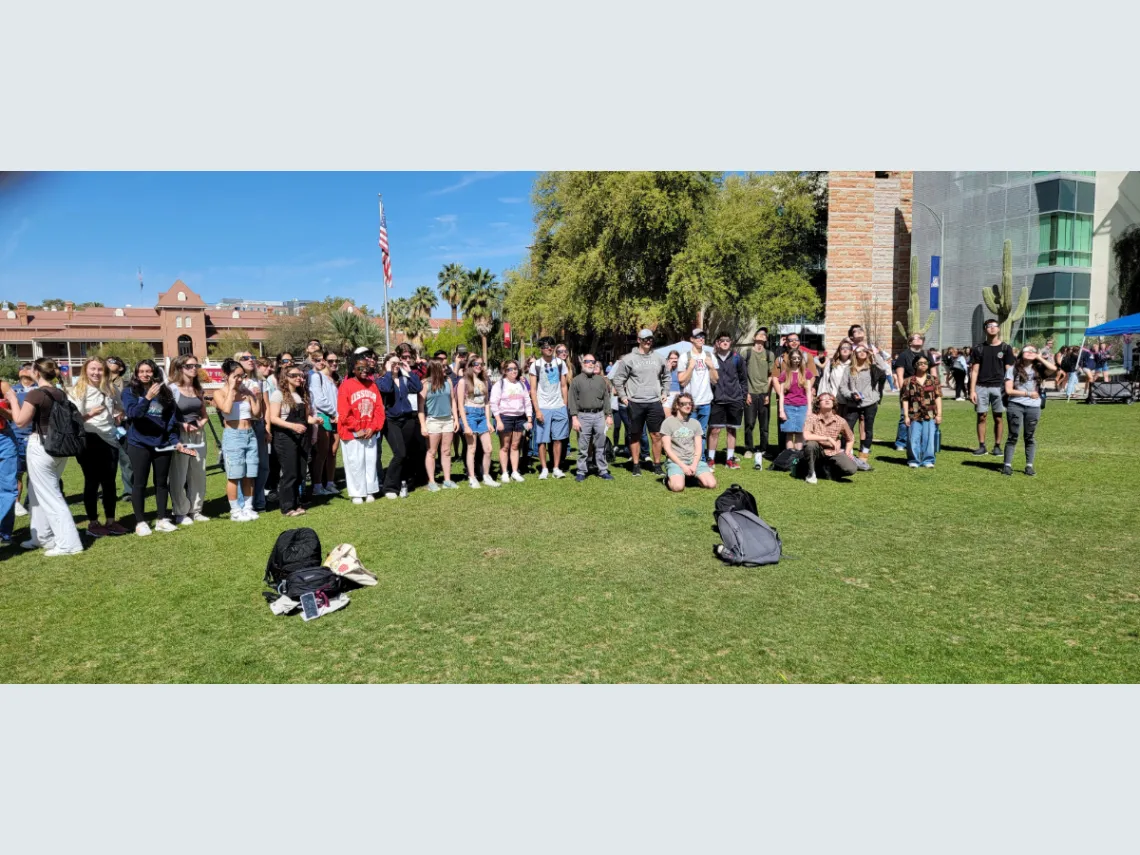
x,y
384,288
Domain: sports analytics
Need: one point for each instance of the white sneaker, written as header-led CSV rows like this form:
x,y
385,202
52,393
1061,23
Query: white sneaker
x,y
238,516
358,501
21,511
142,530
748,455
475,485
558,473
489,481
369,499
403,489
33,544
811,479
506,479
184,521
516,477
165,525
201,518
392,496
543,475
250,513
55,550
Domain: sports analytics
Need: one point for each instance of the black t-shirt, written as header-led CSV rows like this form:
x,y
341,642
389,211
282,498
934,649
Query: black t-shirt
x,y
992,360
905,360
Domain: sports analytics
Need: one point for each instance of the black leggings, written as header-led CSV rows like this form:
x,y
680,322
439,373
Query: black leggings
x,y
291,453
100,464
142,458
868,414
401,433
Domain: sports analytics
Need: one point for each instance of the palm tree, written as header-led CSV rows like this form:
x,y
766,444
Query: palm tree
x,y
416,327
452,283
480,301
343,327
399,312
423,301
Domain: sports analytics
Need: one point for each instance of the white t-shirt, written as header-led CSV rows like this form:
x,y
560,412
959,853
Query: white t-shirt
x,y
549,382
699,385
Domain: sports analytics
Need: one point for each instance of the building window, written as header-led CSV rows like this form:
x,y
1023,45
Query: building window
x,y
178,322
185,346
181,296
189,320
1065,240
1065,194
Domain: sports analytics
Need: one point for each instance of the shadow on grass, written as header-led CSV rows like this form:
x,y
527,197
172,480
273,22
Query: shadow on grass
x,y
897,461
992,465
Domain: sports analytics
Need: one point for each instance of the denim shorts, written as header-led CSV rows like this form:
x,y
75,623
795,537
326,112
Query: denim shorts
x,y
796,414
672,469
239,447
513,424
477,420
555,426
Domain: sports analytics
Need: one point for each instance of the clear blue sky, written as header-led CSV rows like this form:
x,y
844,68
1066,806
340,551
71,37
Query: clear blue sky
x,y
259,236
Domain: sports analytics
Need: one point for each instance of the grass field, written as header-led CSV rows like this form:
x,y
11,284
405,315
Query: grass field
x,y
955,574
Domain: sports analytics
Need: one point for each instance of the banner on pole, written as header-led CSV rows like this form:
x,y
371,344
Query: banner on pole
x,y
506,334
935,281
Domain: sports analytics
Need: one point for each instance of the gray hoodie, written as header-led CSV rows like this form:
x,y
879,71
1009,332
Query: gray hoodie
x,y
641,377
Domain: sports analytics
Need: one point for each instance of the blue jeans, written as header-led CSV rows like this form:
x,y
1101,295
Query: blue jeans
x,y
920,448
8,491
901,434
701,414
1071,386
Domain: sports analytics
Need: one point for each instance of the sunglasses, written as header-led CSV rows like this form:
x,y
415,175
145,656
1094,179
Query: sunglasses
x,y
588,361
189,367
296,376
512,368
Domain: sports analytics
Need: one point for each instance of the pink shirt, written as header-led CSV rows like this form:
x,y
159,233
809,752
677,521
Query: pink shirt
x,y
795,395
511,399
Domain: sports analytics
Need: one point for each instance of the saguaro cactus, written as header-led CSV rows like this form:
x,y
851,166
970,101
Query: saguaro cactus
x,y
999,298
914,313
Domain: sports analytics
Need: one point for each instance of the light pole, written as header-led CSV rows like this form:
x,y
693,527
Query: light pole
x,y
942,262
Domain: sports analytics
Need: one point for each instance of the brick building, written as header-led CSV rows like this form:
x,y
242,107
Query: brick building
x,y
868,254
179,322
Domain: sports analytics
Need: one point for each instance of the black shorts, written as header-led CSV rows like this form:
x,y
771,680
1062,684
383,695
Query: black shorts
x,y
641,416
726,414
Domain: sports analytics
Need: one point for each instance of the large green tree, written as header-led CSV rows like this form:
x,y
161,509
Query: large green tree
x,y
452,282
128,350
1126,254
422,301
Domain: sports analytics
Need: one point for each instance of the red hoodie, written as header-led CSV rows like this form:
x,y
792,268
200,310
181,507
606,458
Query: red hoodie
x,y
358,408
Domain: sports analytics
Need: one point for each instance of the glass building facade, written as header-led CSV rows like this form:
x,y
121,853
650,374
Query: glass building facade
x,y
1047,216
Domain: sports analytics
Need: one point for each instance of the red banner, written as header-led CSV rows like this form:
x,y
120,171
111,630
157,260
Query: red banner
x,y
506,334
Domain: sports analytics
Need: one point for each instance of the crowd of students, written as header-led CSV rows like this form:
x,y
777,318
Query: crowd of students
x,y
285,420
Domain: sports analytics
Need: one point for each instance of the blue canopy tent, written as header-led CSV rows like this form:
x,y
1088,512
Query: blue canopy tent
x,y
1121,326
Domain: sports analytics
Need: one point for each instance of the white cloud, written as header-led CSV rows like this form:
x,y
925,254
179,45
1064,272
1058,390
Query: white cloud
x,y
465,181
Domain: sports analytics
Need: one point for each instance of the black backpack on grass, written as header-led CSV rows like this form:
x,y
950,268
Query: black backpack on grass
x,y
66,436
735,498
294,567
786,460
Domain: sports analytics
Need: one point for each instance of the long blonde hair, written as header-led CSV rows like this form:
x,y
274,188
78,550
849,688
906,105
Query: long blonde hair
x,y
81,384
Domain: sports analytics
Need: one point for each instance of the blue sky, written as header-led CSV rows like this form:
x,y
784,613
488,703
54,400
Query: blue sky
x,y
255,235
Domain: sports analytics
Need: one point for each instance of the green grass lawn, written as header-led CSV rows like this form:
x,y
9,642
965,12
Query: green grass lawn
x,y
949,575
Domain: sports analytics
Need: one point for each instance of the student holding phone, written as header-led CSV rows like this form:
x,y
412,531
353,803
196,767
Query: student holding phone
x,y
240,407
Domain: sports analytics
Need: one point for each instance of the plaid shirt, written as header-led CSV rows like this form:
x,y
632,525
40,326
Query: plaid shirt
x,y
833,427
920,397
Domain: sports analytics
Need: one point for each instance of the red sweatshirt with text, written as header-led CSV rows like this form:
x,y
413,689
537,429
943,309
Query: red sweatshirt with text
x,y
358,408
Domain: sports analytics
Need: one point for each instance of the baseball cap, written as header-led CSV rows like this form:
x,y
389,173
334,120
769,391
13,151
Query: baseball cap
x,y
698,333
461,349
645,333
360,350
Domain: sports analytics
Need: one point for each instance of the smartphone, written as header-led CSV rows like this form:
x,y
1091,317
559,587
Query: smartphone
x,y
309,606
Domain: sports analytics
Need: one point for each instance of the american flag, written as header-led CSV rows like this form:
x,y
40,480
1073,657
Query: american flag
x,y
384,252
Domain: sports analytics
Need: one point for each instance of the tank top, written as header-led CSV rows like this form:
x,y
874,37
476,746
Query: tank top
x,y
437,403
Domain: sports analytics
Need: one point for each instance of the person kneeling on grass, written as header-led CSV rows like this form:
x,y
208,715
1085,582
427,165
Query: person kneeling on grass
x,y
828,441
681,441
922,412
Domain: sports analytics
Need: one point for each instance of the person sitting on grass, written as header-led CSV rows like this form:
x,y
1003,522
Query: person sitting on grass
x,y
922,411
828,442
681,441
1023,384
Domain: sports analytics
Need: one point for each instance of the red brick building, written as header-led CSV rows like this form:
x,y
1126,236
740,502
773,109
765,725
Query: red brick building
x,y
868,254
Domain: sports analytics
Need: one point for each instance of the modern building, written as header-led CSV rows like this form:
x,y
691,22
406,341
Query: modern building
x,y
1060,225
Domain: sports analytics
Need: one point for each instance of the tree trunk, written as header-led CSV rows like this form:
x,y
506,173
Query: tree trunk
x,y
484,348
455,314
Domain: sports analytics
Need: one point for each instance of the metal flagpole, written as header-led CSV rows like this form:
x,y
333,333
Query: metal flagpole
x,y
384,288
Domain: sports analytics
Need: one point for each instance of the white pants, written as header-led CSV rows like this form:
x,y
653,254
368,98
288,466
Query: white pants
x,y
188,475
51,517
360,467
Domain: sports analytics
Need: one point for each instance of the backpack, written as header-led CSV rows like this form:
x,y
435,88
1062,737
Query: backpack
x,y
785,461
747,540
311,580
66,436
295,549
735,498
591,465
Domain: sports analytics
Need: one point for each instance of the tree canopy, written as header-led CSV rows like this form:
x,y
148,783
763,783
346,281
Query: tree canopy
x,y
621,250
1126,254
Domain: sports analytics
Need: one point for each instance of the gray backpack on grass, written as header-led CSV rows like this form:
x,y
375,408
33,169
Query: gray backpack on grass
x,y
748,541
